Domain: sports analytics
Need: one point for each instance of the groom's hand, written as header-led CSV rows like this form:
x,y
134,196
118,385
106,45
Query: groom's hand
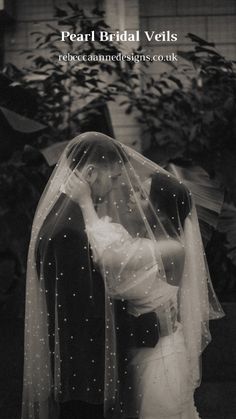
x,y
77,188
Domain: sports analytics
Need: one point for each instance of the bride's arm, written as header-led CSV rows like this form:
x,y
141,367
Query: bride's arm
x,y
169,251
166,249
144,254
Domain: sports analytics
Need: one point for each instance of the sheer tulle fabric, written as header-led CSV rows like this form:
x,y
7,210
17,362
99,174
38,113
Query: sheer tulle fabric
x,y
144,212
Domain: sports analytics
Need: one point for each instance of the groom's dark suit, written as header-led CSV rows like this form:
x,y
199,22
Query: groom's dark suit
x,y
70,277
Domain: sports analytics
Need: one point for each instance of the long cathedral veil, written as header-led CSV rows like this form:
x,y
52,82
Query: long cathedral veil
x,y
144,211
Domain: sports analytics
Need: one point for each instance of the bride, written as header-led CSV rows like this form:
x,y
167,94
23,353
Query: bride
x,y
160,376
144,239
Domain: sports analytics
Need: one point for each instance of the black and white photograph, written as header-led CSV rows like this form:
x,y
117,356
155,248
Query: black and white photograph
x,y
118,209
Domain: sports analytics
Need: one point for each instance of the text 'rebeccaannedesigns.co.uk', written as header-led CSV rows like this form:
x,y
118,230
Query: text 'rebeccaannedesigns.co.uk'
x,y
136,58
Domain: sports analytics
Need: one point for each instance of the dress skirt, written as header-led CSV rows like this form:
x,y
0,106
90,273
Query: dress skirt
x,y
159,384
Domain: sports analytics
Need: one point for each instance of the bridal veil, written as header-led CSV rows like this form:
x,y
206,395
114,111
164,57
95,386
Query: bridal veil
x,y
142,208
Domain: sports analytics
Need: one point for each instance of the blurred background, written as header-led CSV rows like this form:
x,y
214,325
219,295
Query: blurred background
x,y
181,115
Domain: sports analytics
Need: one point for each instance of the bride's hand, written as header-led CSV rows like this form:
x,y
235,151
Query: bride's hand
x,y
77,188
167,315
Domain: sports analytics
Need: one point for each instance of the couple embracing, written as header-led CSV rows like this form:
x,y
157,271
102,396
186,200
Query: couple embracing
x,y
117,296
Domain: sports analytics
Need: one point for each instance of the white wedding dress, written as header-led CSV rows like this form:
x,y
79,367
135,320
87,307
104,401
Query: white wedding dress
x,y
161,384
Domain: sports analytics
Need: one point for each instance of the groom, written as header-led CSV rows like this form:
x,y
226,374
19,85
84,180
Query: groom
x,y
74,284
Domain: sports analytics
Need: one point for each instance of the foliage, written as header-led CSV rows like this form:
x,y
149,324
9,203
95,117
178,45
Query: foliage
x,y
18,109
14,95
189,111
22,180
67,90
45,102
65,96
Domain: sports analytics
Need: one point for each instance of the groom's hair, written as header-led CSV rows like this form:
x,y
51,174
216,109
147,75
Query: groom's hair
x,y
95,148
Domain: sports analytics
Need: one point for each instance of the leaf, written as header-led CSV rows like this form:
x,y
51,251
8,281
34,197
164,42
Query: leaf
x,y
199,40
98,12
54,29
207,50
73,6
158,88
93,72
49,36
94,82
176,81
36,33
21,123
60,12
41,61
124,102
53,152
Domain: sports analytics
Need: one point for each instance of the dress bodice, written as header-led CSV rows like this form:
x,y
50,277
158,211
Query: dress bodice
x,y
130,268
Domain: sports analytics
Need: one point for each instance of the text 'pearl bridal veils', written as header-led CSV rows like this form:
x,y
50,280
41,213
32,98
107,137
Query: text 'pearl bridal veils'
x,y
119,296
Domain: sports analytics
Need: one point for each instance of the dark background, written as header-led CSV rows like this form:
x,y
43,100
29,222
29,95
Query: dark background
x,y
183,115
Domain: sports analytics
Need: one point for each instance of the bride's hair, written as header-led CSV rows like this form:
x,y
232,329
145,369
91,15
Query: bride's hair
x,y
170,198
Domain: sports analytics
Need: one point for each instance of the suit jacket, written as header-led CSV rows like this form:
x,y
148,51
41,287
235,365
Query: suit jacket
x,y
77,289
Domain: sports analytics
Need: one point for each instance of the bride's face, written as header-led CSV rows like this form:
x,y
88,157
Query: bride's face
x,y
137,200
